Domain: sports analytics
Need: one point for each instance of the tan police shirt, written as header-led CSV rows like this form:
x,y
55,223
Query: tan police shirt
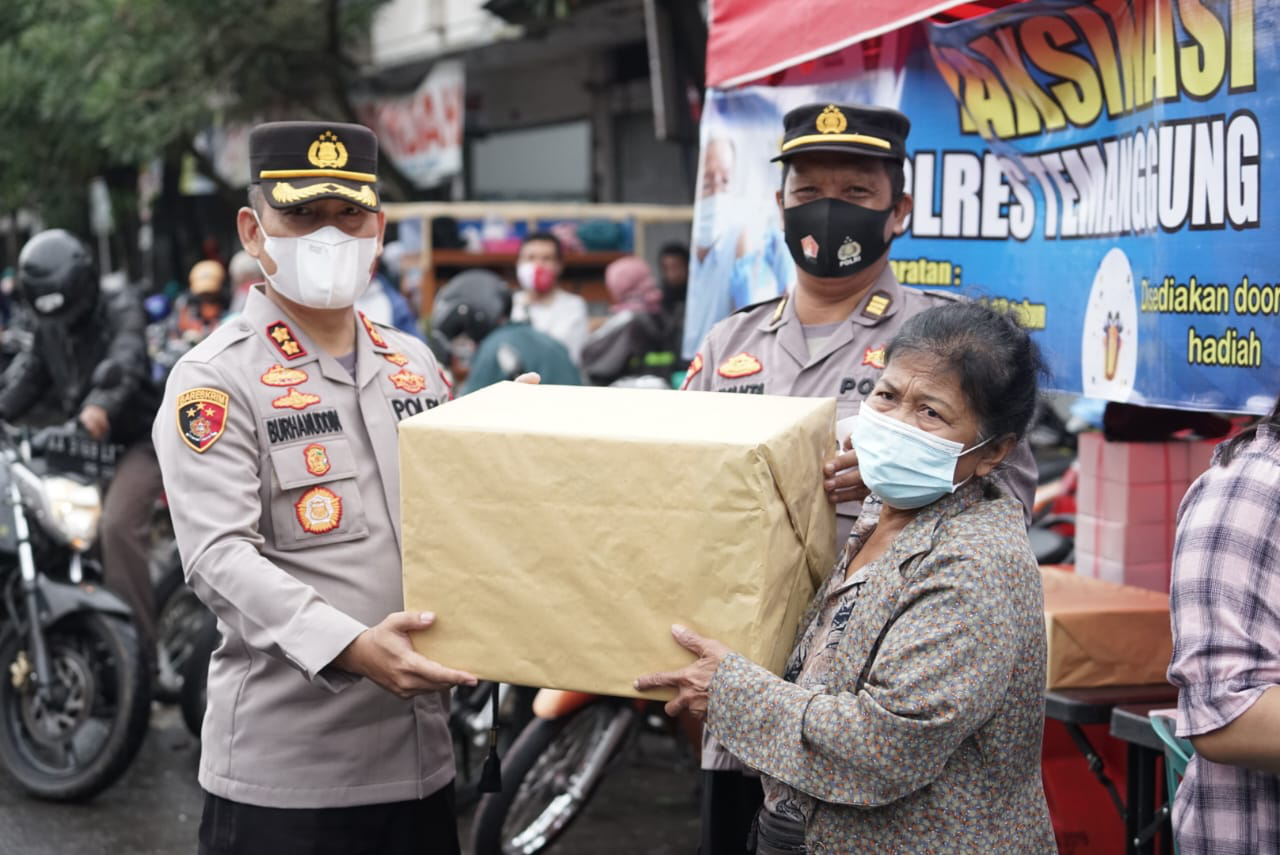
x,y
761,350
283,480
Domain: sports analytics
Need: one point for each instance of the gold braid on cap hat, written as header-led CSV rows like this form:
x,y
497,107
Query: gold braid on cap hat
x,y
286,194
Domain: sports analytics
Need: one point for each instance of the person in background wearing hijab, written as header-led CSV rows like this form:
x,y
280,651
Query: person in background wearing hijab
x,y
635,340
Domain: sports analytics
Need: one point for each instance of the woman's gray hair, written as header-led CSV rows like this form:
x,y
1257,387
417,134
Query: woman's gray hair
x,y
997,363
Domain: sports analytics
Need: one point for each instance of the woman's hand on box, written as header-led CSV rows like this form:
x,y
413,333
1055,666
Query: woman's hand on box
x,y
691,682
841,477
385,654
532,378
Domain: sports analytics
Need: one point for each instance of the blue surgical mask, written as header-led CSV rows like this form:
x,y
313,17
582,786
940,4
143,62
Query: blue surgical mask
x,y
905,466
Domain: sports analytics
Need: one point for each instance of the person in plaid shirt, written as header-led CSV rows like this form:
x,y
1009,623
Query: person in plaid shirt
x,y
1225,602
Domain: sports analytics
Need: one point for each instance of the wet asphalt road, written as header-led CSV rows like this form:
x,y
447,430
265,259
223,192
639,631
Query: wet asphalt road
x,y
646,806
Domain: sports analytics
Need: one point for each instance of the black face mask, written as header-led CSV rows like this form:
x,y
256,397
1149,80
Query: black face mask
x,y
831,238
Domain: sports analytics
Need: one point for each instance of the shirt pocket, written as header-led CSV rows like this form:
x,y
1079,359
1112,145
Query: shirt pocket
x,y
316,499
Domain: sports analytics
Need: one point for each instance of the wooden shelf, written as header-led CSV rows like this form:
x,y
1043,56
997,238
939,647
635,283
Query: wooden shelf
x,y
583,271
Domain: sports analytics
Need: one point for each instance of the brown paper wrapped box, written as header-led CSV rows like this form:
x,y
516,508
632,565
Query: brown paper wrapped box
x,y
1103,634
558,532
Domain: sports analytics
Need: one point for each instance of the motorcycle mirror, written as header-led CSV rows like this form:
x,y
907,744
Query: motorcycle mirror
x,y
157,306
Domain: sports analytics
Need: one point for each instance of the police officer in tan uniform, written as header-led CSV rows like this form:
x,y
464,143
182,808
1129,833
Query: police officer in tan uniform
x,y
843,202
325,730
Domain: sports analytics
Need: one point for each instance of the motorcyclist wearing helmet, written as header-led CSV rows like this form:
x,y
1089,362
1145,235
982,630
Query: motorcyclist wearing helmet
x,y
472,313
206,302
78,328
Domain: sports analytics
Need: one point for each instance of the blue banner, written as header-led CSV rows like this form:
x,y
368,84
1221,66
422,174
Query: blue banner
x,y
1099,169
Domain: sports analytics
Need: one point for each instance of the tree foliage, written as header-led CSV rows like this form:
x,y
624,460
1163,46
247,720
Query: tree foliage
x,y
88,86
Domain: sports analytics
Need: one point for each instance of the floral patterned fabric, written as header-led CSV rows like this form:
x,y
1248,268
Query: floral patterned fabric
x,y
940,750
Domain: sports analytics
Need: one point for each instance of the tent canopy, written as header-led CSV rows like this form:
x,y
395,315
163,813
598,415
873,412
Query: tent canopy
x,y
750,39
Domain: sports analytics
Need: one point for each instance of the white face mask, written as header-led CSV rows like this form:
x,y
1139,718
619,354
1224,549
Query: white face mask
x,y
327,269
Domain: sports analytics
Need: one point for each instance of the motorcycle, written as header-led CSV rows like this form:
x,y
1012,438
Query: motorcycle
x,y
75,685
555,765
470,722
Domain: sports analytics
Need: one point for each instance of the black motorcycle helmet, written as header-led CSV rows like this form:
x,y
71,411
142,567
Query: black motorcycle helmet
x,y
473,303
56,276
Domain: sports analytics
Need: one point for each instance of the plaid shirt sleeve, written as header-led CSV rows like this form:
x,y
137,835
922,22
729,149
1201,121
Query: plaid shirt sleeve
x,y
1225,595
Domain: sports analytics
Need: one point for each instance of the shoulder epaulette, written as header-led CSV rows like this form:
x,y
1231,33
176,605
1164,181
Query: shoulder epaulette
x,y
753,306
227,334
949,296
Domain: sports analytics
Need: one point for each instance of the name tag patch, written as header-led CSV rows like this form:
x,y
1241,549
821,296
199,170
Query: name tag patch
x,y
405,407
289,428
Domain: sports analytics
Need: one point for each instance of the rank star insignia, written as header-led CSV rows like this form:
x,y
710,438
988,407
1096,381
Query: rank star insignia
x,y
317,457
396,359
874,356
295,400
285,341
319,510
809,246
742,365
202,417
278,375
850,252
695,368
407,381
374,335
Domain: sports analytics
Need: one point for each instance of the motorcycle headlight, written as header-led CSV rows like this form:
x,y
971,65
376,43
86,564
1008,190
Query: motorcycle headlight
x,y
74,509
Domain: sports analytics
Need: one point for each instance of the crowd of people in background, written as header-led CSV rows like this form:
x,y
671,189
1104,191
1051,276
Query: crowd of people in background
x,y
549,326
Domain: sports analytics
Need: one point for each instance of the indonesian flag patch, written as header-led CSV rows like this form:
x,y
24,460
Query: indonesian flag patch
x,y
202,417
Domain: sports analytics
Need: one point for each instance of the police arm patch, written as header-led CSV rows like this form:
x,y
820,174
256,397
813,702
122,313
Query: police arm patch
x,y
202,417
695,368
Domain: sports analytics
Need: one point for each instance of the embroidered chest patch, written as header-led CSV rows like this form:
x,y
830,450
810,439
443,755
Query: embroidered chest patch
x,y
407,381
742,365
278,375
295,400
319,510
317,457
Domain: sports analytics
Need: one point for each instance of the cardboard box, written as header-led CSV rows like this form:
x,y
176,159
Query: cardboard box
x,y
1134,462
1127,543
1151,575
1102,634
1128,503
558,531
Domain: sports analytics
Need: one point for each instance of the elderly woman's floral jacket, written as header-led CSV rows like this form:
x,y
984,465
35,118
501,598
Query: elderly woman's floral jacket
x,y
939,750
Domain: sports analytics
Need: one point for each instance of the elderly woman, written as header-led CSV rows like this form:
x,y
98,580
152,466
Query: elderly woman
x,y
910,715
